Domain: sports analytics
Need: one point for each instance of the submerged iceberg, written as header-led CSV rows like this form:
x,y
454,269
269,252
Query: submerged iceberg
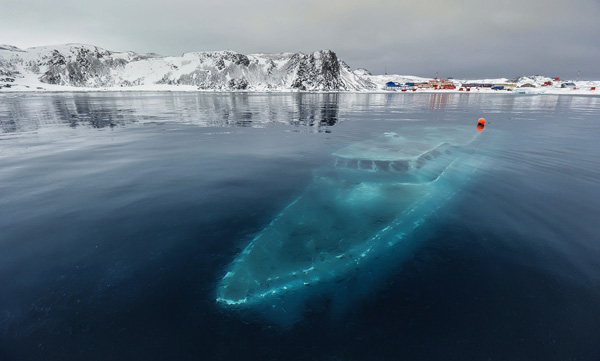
x,y
363,208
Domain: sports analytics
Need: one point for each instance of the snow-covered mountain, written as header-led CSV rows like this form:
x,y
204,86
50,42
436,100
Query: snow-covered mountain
x,y
72,67
87,66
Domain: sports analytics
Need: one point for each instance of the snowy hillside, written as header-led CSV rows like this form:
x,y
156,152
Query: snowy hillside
x,y
86,66
79,67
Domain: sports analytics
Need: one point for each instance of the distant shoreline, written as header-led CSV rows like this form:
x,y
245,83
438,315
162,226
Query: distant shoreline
x,y
88,68
182,89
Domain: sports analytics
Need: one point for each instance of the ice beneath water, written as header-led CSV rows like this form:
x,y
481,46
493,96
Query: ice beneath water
x,y
377,193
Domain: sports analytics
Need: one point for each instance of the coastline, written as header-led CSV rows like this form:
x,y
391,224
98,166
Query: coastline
x,y
191,89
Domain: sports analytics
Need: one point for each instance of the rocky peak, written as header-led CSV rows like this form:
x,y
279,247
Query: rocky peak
x,y
81,65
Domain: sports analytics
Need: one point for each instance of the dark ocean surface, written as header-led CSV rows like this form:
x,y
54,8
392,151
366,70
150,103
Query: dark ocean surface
x,y
121,212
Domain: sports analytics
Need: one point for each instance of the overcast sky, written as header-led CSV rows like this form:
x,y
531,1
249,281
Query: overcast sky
x,y
468,39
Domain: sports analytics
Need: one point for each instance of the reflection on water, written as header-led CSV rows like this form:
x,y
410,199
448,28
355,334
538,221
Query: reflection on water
x,y
29,112
440,100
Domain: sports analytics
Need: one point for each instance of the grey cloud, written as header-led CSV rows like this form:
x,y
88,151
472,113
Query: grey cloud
x,y
470,38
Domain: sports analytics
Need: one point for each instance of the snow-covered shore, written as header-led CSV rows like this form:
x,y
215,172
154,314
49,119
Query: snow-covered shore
x,y
87,68
521,85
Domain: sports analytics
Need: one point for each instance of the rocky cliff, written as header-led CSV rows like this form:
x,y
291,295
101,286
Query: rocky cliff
x,y
86,66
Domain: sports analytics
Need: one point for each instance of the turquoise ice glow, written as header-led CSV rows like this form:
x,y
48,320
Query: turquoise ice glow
x,y
376,194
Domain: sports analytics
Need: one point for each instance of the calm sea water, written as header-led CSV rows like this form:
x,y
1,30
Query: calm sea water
x,y
119,214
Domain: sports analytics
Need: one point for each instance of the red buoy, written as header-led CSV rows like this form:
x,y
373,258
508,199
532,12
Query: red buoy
x,y
480,124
